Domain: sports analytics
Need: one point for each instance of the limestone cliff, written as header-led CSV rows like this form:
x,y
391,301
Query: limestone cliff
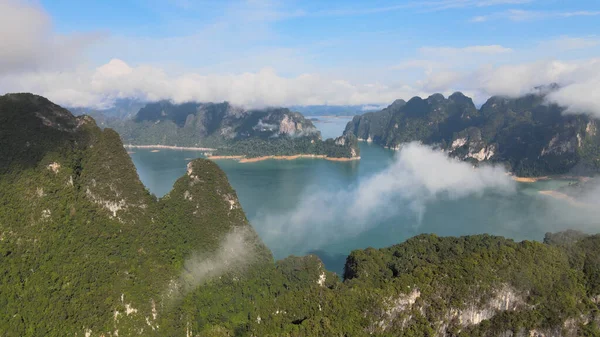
x,y
527,134
229,129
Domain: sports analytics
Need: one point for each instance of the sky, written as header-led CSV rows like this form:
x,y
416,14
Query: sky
x,y
286,52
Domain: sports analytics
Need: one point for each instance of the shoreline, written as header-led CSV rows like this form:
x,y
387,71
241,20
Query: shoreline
x,y
225,157
564,197
187,148
558,177
243,159
528,179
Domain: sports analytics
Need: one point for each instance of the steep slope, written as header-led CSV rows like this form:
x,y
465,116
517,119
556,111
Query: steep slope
x,y
526,134
233,131
85,250
84,246
482,286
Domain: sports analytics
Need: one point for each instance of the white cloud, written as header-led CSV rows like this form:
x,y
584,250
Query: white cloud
x,y
438,5
441,80
497,70
579,13
567,43
580,97
443,52
117,79
33,58
27,41
449,4
235,253
418,176
578,80
481,18
519,15
443,66
428,65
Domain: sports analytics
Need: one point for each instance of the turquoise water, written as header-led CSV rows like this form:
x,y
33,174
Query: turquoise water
x,y
331,126
297,207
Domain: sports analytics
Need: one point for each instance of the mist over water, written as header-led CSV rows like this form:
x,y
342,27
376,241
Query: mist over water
x,y
330,208
417,177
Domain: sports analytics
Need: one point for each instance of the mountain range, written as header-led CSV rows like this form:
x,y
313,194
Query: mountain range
x,y
528,135
86,250
231,130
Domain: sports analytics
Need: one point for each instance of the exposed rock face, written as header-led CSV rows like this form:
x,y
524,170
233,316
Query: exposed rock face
x,y
505,298
92,229
94,254
526,134
209,124
396,311
230,130
288,126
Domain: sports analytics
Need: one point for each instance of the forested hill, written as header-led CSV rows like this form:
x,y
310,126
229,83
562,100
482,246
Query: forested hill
x,y
528,135
231,130
85,250
84,246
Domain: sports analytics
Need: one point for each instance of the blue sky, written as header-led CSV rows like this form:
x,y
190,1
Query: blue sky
x,y
340,52
331,33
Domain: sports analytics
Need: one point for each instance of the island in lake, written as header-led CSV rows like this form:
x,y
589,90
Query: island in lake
x,y
227,131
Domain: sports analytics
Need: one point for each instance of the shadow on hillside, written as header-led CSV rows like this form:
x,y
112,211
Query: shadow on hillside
x,y
31,127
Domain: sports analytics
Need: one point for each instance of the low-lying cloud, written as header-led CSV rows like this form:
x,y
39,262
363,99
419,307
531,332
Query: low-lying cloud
x,y
578,80
419,176
35,58
236,252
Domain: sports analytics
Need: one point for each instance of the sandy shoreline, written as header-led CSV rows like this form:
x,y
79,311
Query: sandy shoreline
x,y
226,157
131,146
528,179
243,159
565,197
560,177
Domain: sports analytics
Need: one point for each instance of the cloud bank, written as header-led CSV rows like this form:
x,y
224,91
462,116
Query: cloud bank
x,y
99,88
419,176
254,73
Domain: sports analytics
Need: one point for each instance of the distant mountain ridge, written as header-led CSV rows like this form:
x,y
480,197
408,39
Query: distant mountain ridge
x,y
528,135
231,130
121,109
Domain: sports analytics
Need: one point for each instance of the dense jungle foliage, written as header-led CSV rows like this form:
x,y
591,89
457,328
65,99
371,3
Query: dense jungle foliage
x,y
86,250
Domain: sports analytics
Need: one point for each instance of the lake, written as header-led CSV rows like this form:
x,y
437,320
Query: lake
x,y
306,205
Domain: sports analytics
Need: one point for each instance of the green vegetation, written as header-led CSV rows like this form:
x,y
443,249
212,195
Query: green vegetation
x,y
528,135
231,130
86,249
342,147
